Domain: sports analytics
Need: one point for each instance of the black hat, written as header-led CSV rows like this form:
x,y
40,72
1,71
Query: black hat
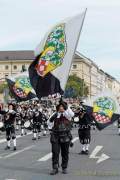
x,y
62,103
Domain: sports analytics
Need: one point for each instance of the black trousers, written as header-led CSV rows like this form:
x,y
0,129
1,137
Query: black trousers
x,y
84,136
36,128
10,133
58,147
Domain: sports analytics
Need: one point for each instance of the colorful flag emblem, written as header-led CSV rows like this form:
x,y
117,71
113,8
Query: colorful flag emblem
x,y
20,87
104,109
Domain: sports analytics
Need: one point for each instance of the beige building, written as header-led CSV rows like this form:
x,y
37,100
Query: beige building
x,y
95,78
12,62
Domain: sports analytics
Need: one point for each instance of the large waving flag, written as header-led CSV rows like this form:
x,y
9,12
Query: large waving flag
x,y
104,108
53,57
20,87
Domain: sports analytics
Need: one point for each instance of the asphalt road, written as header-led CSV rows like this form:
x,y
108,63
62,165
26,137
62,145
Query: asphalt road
x,y
32,160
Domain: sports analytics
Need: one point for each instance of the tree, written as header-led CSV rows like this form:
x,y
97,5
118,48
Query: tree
x,y
3,85
76,87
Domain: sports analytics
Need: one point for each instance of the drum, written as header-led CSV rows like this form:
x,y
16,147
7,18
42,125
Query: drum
x,y
76,119
19,122
27,124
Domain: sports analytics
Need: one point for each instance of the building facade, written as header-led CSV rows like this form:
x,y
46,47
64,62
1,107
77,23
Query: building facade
x,y
95,78
12,62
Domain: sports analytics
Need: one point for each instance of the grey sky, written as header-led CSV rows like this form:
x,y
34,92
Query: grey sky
x,y
23,23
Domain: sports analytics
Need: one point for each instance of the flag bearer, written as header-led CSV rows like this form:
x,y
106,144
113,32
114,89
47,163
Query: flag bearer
x,y
61,136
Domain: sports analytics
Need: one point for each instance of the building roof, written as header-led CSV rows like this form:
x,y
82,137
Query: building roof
x,y
25,55
16,55
29,55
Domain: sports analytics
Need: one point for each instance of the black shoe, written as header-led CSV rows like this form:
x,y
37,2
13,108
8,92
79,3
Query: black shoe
x,y
64,171
39,137
34,139
7,147
86,152
25,133
71,144
82,152
22,134
14,149
54,172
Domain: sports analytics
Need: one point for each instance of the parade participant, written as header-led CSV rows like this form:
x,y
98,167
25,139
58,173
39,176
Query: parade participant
x,y
60,136
18,117
37,120
84,130
9,123
44,122
24,117
119,126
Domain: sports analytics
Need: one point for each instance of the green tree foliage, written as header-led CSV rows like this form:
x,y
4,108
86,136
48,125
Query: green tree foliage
x,y
76,87
3,86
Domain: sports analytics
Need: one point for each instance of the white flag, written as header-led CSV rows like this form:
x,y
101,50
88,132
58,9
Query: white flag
x,y
54,57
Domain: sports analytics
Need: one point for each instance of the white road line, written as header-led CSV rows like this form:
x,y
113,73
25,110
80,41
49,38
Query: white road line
x,y
18,152
19,136
49,155
95,152
10,179
101,157
3,154
46,157
75,139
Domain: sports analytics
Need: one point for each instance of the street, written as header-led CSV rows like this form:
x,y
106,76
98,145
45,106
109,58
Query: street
x,y
32,160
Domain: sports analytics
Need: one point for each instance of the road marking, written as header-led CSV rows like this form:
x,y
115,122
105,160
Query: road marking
x,y
46,157
19,136
100,158
10,179
49,155
95,152
3,154
103,158
75,139
18,152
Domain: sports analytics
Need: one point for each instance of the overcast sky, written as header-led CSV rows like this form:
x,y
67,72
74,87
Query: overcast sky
x,y
24,22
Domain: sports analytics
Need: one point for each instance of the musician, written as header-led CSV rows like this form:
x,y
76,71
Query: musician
x,y
9,123
24,117
37,120
84,131
18,117
60,136
119,126
44,122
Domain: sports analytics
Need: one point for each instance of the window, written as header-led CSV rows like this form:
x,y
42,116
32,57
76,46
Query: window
x,y
74,66
6,75
15,67
6,67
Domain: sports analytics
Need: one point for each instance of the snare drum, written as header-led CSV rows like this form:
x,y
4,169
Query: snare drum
x,y
76,119
27,124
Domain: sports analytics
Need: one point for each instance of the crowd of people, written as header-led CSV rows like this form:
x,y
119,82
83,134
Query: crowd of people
x,y
22,117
